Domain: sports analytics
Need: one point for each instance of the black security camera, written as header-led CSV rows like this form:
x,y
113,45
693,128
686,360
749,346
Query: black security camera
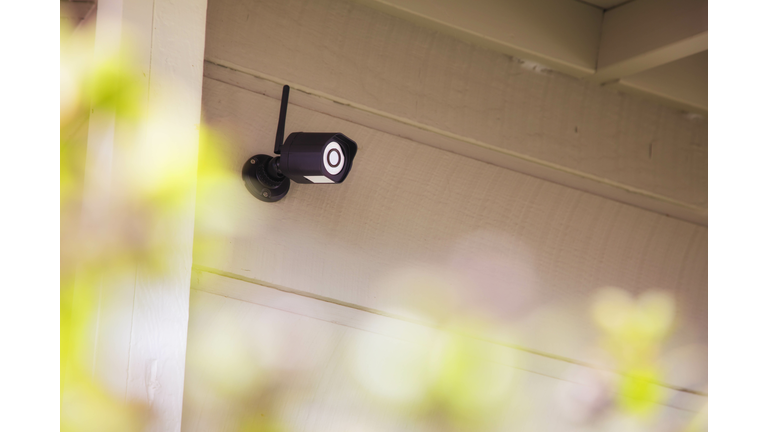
x,y
305,157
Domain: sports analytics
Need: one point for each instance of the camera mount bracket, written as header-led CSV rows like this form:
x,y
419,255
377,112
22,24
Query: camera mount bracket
x,y
261,173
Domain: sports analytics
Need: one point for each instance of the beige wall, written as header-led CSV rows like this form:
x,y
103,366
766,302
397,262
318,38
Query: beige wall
x,y
517,246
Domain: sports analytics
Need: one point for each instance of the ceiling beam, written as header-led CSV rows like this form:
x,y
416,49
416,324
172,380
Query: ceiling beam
x,y
681,84
643,34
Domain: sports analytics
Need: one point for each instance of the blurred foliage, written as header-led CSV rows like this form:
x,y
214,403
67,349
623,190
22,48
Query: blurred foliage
x,y
465,390
86,85
633,332
112,226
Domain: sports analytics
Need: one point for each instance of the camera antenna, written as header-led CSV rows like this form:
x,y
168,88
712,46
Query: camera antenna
x,y
281,120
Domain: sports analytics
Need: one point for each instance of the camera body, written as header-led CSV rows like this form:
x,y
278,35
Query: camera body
x,y
317,157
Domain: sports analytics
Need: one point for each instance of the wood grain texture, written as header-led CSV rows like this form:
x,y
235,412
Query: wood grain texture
x,y
408,206
324,350
379,61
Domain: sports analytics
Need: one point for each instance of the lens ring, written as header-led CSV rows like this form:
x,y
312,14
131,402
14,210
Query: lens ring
x,y
333,148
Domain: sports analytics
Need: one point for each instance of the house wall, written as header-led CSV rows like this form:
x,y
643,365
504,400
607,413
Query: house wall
x,y
426,227
387,65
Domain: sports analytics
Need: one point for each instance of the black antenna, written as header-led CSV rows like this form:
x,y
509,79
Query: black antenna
x,y
281,121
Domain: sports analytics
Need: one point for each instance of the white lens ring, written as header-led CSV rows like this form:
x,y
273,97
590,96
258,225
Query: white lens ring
x,y
333,158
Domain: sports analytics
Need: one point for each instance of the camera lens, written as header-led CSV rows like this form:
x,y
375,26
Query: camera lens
x,y
333,158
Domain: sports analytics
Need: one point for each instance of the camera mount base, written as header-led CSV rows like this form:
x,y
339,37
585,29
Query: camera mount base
x,y
259,183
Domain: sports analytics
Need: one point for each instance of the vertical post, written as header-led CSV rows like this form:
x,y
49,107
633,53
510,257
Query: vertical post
x,y
139,341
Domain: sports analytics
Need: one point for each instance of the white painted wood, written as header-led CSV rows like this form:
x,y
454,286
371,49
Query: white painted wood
x,y
406,205
353,53
682,83
139,341
318,345
562,34
644,34
95,212
161,308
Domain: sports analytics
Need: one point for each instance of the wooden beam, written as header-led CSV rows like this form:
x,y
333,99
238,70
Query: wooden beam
x,y
560,34
644,34
681,84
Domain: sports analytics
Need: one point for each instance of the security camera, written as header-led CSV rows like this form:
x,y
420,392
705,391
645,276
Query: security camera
x,y
304,157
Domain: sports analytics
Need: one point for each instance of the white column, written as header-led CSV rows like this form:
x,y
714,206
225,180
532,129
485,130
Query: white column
x,y
139,340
